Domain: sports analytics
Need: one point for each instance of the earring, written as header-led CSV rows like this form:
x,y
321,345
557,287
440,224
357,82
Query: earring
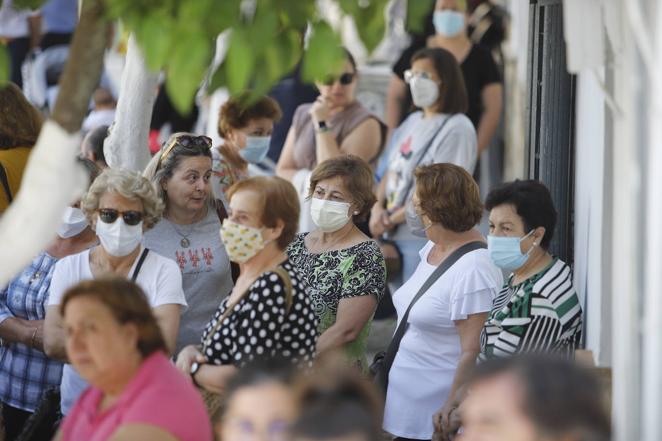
x,y
355,213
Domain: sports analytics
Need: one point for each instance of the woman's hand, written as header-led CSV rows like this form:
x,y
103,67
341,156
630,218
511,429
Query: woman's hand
x,y
446,421
187,357
379,221
319,111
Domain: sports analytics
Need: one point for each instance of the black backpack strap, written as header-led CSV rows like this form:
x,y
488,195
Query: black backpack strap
x,y
389,356
5,184
141,260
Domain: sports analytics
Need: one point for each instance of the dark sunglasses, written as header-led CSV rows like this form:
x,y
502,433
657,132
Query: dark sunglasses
x,y
344,79
185,141
109,215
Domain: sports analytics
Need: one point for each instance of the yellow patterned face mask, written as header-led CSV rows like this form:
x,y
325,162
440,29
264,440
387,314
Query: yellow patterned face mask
x,y
241,242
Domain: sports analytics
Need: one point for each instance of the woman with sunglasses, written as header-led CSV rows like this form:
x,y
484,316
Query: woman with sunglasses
x,y
188,231
335,124
119,206
438,132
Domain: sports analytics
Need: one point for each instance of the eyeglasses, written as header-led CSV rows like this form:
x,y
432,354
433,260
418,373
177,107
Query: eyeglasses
x,y
185,140
131,217
344,79
410,75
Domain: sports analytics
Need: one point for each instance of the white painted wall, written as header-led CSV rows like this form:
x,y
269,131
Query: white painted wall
x,y
589,214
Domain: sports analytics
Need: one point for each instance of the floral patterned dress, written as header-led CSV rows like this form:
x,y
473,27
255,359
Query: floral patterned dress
x,y
335,275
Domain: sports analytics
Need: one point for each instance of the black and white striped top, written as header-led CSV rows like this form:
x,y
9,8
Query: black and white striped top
x,y
541,314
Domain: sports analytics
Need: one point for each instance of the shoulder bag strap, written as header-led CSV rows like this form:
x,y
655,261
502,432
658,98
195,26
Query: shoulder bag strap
x,y
410,184
382,377
5,184
141,260
285,276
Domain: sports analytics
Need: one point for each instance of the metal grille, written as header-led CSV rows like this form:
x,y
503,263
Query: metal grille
x,y
550,117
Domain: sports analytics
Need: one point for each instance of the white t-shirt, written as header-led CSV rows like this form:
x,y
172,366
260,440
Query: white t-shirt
x,y
159,277
424,367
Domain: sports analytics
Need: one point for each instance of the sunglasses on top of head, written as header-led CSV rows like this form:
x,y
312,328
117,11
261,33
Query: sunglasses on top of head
x,y
343,79
110,215
184,141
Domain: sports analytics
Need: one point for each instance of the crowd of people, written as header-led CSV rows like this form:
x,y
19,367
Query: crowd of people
x,y
206,298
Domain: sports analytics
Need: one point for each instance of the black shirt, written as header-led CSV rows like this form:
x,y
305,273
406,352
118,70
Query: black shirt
x,y
478,69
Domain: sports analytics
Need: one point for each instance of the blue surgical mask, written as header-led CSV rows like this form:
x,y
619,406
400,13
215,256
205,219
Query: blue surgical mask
x,y
256,149
506,253
448,23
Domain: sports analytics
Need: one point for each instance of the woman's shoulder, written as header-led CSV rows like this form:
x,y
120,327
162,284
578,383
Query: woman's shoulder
x,y
459,122
552,280
73,261
158,261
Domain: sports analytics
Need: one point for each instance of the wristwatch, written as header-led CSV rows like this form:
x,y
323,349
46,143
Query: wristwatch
x,y
195,367
322,127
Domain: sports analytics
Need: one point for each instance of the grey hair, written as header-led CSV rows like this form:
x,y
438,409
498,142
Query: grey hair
x,y
126,183
159,170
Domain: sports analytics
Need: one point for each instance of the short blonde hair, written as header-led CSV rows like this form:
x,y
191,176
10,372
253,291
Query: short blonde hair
x,y
126,183
279,201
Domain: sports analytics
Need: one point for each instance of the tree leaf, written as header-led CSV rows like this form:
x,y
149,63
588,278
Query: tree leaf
x,y
186,69
239,61
155,36
28,4
5,65
417,12
324,54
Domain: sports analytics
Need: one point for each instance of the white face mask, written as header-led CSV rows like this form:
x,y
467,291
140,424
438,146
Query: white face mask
x,y
329,216
118,238
73,223
424,91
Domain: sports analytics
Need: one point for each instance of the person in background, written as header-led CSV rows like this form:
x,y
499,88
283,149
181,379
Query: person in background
x,y
18,33
537,308
336,404
119,206
114,341
342,267
58,21
533,398
259,403
103,113
442,340
20,124
481,75
335,124
25,370
165,113
92,146
269,313
245,127
439,132
188,231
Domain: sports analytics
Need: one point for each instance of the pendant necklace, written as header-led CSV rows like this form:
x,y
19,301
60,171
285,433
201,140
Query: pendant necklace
x,y
184,242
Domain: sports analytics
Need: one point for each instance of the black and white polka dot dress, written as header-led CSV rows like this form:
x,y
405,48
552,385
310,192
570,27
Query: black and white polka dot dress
x,y
260,325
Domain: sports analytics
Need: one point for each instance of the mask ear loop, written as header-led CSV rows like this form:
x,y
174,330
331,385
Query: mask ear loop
x,y
528,253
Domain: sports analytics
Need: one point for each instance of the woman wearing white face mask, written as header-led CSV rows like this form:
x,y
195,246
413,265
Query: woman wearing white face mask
x,y
343,268
441,308
481,75
25,370
245,127
437,133
268,314
120,205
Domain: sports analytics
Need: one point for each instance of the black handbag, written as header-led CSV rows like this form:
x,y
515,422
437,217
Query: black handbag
x,y
43,423
382,362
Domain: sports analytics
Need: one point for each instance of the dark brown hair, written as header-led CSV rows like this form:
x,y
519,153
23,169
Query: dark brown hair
x,y
358,179
449,196
279,201
452,91
238,111
20,121
127,303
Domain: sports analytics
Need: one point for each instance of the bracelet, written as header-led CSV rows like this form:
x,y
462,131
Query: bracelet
x,y
322,127
34,334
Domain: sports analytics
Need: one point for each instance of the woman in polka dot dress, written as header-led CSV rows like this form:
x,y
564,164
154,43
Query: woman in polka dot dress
x,y
268,314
